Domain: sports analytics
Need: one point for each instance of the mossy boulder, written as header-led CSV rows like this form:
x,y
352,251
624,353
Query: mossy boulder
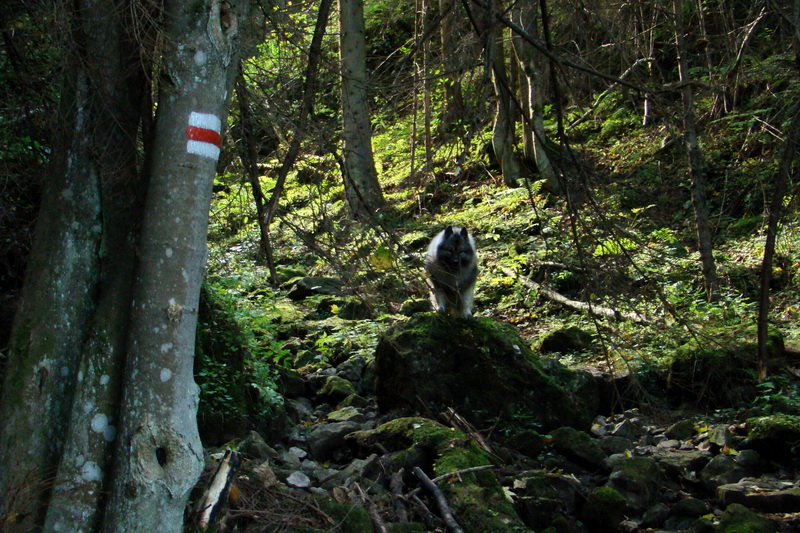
x,y
544,498
739,519
335,389
776,437
476,499
579,447
604,509
719,369
567,340
639,480
483,370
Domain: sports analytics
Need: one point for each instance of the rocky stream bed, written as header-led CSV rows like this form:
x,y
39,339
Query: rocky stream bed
x,y
512,440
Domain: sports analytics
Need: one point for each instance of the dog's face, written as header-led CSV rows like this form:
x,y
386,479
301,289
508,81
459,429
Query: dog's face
x,y
455,249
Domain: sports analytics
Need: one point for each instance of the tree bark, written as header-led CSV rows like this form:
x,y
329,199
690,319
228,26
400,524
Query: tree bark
x,y
503,130
774,211
70,332
362,189
536,138
704,243
158,456
78,489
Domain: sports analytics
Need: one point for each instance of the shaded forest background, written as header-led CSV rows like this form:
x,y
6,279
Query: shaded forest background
x,y
575,139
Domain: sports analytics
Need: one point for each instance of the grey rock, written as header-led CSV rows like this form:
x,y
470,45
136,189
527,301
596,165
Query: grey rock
x,y
683,430
763,494
679,462
256,447
722,470
578,446
353,368
264,474
639,480
721,436
298,480
324,439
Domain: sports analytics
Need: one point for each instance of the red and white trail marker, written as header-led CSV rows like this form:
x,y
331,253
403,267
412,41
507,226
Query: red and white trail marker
x,y
203,135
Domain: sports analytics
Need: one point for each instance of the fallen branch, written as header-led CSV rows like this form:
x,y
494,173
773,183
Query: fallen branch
x,y
377,523
457,421
455,473
583,307
396,486
216,494
441,501
427,516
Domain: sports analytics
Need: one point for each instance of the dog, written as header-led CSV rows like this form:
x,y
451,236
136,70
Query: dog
x,y
452,266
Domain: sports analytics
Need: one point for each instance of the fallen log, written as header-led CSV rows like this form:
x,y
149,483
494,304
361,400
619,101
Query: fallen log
x,y
583,307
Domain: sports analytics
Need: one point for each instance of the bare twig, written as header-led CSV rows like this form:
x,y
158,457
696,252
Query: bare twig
x,y
441,501
457,421
454,473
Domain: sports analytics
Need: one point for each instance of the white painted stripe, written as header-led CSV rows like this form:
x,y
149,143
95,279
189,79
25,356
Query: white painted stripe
x,y
206,121
203,149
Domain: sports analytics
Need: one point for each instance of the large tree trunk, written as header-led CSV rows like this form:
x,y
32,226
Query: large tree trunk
x,y
360,177
77,329
159,456
119,71
68,333
704,243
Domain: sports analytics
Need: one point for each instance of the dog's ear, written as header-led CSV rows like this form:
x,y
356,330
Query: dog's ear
x,y
448,231
464,232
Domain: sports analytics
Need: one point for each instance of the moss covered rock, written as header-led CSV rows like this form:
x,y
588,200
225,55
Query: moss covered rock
x,y
719,371
739,519
476,499
776,437
578,446
482,369
604,509
335,389
639,480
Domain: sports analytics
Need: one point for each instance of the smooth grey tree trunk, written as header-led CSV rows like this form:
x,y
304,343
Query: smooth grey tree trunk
x,y
114,63
106,307
159,456
361,186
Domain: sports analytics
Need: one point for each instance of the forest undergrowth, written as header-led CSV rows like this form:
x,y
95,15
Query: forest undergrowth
x,y
623,240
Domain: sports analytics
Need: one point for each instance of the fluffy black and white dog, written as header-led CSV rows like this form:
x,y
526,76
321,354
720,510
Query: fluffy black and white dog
x,y
452,266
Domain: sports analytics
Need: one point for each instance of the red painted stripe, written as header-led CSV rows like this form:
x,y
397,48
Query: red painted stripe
x,y
203,135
